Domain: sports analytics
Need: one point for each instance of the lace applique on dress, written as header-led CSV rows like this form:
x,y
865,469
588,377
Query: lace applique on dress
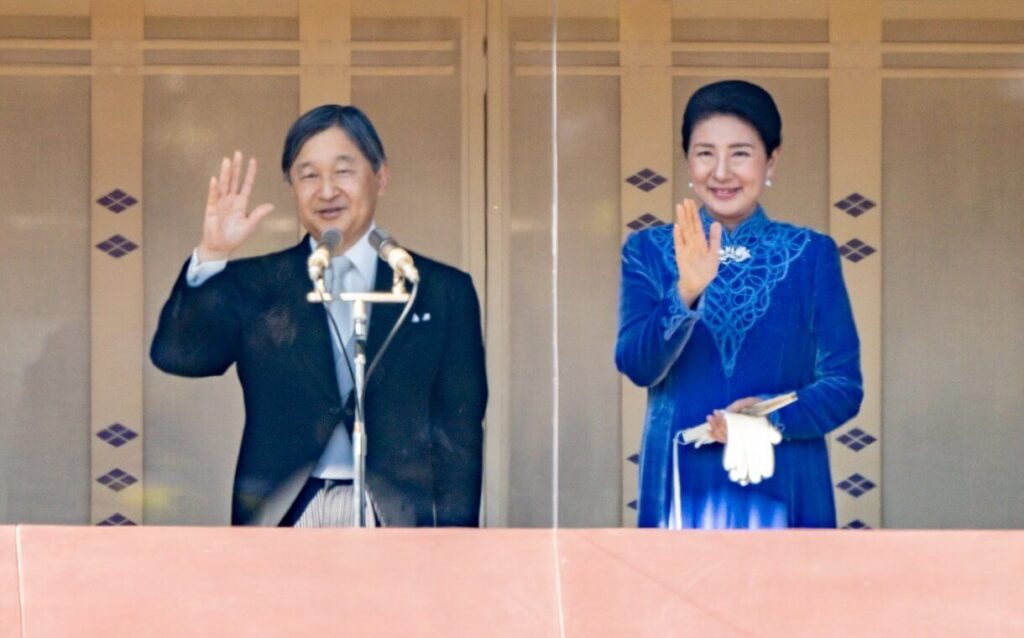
x,y
662,239
754,259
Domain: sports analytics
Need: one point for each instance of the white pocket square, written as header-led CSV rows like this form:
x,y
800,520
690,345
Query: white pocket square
x,y
419,318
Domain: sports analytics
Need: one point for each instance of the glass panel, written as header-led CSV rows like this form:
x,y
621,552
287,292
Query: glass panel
x,y
193,425
44,329
589,482
423,205
953,284
529,157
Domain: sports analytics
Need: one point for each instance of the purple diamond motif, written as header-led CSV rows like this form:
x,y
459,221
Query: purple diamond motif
x,y
631,505
856,524
856,439
855,204
855,250
634,459
855,485
647,220
117,435
117,246
117,200
646,180
116,520
117,480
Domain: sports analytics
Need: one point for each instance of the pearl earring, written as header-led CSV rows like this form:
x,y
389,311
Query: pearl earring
x,y
768,182
690,184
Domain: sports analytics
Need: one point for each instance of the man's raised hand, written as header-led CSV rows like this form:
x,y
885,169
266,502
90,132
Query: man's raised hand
x,y
228,223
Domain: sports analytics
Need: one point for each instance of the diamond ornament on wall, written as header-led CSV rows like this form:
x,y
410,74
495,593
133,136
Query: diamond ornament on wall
x,y
117,434
855,204
856,439
646,180
856,250
117,480
647,220
117,200
117,246
116,520
855,485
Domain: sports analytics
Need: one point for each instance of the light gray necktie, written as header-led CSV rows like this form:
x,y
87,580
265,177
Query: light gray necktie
x,y
336,461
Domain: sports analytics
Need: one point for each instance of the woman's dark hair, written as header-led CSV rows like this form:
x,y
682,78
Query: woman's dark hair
x,y
349,119
744,100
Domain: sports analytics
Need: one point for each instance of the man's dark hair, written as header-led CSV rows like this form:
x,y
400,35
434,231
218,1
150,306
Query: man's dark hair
x,y
744,100
349,119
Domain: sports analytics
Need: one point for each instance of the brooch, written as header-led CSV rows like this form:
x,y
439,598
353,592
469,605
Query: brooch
x,y
733,254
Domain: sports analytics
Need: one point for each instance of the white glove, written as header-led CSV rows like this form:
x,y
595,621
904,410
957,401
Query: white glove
x,y
749,455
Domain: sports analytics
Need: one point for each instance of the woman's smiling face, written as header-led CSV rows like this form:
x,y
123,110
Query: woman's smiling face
x,y
728,167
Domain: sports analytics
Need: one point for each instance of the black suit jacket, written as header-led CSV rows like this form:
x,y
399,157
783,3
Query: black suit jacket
x,y
424,403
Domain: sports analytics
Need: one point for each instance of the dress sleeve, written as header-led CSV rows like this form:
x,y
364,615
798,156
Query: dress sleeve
x,y
835,395
654,323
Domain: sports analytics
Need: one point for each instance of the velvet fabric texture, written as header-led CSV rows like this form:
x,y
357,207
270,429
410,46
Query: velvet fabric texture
x,y
775,319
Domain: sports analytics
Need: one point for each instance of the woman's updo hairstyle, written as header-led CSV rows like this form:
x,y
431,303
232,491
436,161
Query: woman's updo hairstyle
x,y
744,100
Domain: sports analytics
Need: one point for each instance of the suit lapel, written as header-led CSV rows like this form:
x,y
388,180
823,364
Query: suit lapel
x,y
384,315
312,346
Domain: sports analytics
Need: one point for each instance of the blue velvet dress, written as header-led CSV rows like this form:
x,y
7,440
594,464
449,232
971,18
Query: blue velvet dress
x,y
775,319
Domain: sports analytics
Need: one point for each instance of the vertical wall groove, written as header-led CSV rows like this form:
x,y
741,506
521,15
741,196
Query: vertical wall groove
x,y
116,271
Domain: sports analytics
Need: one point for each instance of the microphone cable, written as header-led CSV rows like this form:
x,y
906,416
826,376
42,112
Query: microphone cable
x,y
336,334
394,331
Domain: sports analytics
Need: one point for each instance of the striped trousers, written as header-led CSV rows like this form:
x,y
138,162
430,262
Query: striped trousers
x,y
327,503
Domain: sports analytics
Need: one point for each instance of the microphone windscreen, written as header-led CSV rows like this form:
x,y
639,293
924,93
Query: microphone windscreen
x,y
377,237
331,239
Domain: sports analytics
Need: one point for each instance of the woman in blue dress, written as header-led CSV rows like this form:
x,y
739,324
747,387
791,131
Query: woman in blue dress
x,y
724,308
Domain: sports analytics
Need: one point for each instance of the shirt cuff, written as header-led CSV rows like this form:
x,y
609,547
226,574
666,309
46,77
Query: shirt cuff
x,y
200,272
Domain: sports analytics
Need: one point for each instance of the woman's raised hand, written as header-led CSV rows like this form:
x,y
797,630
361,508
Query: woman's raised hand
x,y
228,224
696,256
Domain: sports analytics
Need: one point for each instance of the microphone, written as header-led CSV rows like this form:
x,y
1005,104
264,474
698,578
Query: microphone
x,y
395,255
320,258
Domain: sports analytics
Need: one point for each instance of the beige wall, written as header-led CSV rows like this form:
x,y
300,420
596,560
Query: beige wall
x,y
914,104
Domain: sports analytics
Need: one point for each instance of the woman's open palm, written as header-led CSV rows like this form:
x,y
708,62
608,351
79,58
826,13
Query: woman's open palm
x,y
696,255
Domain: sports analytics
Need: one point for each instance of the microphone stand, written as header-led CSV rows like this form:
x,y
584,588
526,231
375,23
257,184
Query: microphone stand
x,y
360,325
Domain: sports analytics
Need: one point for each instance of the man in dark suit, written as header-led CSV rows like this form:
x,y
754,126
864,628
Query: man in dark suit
x,y
425,401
